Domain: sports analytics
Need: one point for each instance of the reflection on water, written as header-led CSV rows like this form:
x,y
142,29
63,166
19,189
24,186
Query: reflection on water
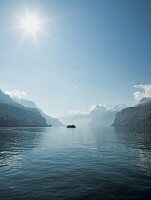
x,y
139,139
84,163
13,141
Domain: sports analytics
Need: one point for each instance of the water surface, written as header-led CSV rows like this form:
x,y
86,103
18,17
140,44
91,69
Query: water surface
x,y
80,164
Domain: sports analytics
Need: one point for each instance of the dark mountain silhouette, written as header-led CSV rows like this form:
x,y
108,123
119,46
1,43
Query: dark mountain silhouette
x,y
13,114
139,115
30,104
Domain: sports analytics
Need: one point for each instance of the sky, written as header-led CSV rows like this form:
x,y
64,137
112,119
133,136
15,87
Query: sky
x,y
89,52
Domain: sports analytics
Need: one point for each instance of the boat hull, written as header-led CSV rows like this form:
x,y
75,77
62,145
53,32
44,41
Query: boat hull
x,y
71,126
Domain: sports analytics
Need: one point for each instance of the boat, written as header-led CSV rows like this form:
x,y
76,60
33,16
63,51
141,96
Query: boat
x,y
71,126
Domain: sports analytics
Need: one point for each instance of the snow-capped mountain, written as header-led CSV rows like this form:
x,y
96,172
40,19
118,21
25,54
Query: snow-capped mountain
x,y
97,115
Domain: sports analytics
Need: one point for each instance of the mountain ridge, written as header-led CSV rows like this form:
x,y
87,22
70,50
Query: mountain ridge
x,y
20,112
139,115
30,104
96,116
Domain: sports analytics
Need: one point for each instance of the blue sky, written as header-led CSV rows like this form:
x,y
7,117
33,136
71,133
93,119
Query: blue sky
x,y
96,51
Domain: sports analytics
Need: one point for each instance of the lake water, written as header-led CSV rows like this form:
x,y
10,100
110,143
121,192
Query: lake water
x,y
80,164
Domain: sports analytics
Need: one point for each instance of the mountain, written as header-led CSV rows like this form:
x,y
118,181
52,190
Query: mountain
x,y
4,98
15,115
30,104
97,116
24,102
139,115
104,114
144,101
51,120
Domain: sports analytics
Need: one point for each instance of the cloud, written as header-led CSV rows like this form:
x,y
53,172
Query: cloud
x,y
145,93
78,112
16,93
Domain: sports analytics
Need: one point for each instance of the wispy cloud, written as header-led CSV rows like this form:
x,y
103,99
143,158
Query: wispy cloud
x,y
16,93
78,112
145,93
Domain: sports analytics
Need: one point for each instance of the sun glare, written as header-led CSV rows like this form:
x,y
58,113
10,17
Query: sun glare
x,y
30,24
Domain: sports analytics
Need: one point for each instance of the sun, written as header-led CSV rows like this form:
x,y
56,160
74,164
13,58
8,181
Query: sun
x,y
30,24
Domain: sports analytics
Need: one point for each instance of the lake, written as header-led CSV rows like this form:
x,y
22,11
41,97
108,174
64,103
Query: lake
x,y
86,163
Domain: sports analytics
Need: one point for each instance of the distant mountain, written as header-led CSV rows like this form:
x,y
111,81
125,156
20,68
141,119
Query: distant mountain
x,y
30,104
99,115
104,114
139,115
13,114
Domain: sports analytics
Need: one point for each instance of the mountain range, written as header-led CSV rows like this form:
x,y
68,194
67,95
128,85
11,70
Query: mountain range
x,y
21,112
30,104
119,115
97,116
16,112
